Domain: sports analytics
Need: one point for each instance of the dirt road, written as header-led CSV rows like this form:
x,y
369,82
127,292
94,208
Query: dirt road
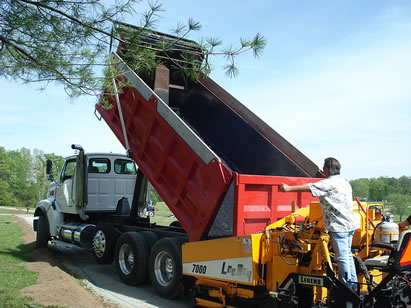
x,y
57,285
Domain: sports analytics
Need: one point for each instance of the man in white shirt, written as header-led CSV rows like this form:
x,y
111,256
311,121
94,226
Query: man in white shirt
x,y
335,196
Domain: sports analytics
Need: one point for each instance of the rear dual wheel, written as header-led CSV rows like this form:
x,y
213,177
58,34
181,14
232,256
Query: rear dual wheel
x,y
132,256
165,267
140,255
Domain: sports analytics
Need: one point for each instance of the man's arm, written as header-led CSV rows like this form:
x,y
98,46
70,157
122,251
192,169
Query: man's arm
x,y
296,188
405,223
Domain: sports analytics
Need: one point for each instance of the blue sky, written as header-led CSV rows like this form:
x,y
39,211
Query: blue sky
x,y
334,80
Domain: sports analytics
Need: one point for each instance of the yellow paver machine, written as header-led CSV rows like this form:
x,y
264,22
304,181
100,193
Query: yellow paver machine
x,y
290,264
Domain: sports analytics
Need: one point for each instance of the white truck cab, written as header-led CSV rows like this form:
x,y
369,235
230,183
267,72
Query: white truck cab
x,y
108,178
89,187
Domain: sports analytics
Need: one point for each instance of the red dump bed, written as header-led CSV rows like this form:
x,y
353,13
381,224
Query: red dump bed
x,y
203,167
260,203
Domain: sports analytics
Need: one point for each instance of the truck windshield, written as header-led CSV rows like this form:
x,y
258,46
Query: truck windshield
x,y
124,166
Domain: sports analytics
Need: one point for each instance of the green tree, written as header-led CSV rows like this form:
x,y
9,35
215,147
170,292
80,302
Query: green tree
x,y
5,195
6,166
39,174
361,188
68,41
22,185
155,197
41,181
404,185
392,185
58,162
23,180
377,190
6,177
399,204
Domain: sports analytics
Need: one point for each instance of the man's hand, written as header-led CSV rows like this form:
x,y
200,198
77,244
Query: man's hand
x,y
284,187
403,225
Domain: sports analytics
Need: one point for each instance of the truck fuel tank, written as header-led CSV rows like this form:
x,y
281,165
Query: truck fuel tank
x,y
78,234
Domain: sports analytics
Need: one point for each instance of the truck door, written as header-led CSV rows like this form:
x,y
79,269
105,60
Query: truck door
x,y
64,187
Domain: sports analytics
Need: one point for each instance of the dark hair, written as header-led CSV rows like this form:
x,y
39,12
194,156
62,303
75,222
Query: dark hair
x,y
332,165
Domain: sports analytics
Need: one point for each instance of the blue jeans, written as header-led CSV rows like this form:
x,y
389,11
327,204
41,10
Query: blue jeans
x,y
341,243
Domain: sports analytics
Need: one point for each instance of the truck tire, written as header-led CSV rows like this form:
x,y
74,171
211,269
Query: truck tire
x,y
104,243
176,224
150,237
132,256
165,267
43,232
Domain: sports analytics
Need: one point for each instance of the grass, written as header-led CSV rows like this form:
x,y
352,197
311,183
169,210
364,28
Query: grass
x,y
162,216
14,277
16,211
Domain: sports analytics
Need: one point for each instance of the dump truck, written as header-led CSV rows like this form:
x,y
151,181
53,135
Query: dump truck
x,y
218,167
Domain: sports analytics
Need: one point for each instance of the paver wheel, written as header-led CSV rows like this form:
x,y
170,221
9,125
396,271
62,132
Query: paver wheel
x,y
104,243
132,256
165,267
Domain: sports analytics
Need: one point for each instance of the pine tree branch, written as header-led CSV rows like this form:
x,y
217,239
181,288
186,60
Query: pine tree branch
x,y
78,21
34,60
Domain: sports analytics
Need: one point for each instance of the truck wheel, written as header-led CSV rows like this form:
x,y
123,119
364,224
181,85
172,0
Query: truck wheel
x,y
132,255
176,224
104,242
150,237
166,268
43,232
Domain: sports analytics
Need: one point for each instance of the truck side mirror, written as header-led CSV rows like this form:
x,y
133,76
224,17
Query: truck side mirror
x,y
49,165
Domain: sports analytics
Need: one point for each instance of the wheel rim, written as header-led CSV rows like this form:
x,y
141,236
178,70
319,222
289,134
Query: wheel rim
x,y
163,268
126,259
99,243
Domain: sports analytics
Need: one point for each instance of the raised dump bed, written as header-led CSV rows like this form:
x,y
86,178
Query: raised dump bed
x,y
215,164
240,138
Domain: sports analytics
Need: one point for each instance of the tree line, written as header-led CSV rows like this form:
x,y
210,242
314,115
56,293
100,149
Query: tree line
x,y
23,179
23,182
395,193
